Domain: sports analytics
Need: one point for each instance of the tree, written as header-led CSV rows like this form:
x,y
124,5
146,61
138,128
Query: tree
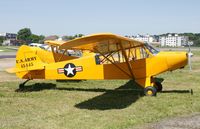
x,y
24,35
67,37
36,38
41,39
78,35
197,42
195,37
1,40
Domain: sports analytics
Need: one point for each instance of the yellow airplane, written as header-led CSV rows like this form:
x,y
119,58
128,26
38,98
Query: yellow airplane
x,y
101,56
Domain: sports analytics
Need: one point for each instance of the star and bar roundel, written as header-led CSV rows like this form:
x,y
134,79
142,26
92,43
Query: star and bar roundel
x,y
70,70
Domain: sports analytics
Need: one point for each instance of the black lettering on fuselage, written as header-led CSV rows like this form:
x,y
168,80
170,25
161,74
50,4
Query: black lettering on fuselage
x,y
26,60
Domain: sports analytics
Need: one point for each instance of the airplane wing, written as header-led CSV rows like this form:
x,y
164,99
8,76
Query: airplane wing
x,y
104,43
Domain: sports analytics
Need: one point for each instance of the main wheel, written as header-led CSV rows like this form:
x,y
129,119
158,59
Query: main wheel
x,y
150,91
158,86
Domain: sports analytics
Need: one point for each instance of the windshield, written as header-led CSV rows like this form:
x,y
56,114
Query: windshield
x,y
151,49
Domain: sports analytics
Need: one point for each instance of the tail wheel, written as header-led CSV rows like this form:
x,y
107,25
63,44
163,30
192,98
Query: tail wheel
x,y
150,91
158,86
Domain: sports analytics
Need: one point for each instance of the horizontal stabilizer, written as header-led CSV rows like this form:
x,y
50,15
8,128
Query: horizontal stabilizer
x,y
11,70
15,70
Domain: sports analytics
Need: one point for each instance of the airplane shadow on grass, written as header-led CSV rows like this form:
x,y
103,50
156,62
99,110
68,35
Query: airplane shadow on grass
x,y
37,87
118,98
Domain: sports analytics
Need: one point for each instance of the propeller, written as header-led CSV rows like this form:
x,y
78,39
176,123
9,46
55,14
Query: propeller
x,y
189,54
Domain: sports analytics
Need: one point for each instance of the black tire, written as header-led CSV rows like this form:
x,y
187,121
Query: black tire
x,y
158,86
150,91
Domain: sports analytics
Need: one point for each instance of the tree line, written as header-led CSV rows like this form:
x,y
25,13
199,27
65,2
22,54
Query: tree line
x,y
195,37
25,36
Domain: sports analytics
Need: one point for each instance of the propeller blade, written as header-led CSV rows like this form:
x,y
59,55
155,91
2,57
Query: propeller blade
x,y
189,54
189,61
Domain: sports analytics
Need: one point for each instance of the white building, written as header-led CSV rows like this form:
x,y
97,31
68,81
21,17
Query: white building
x,y
10,42
11,36
10,39
145,38
173,40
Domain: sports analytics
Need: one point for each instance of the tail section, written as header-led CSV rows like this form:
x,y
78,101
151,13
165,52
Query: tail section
x,y
27,61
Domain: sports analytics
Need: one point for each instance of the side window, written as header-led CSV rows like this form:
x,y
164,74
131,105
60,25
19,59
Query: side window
x,y
97,59
143,53
140,53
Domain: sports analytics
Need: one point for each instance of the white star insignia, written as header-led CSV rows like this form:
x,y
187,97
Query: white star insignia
x,y
69,70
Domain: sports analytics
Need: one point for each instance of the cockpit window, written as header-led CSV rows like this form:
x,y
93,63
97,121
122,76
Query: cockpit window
x,y
151,49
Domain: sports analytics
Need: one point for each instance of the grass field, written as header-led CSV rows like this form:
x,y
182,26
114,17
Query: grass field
x,y
115,104
8,48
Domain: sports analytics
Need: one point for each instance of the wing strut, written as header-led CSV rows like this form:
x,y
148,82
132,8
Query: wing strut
x,y
62,55
107,57
127,61
54,54
113,63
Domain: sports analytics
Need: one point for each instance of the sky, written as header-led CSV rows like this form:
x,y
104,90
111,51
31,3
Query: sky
x,y
124,17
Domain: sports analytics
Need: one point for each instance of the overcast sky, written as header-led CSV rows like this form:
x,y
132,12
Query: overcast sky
x,y
68,17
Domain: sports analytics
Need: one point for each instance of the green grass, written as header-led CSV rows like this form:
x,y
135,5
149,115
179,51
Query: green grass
x,y
114,104
7,48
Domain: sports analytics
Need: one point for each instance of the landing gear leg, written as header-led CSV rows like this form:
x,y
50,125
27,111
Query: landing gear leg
x,y
158,86
21,86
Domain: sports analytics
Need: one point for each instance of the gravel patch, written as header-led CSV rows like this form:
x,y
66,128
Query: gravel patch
x,y
184,122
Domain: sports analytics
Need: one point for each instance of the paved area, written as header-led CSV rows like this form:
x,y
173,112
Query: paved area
x,y
179,49
7,55
6,63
